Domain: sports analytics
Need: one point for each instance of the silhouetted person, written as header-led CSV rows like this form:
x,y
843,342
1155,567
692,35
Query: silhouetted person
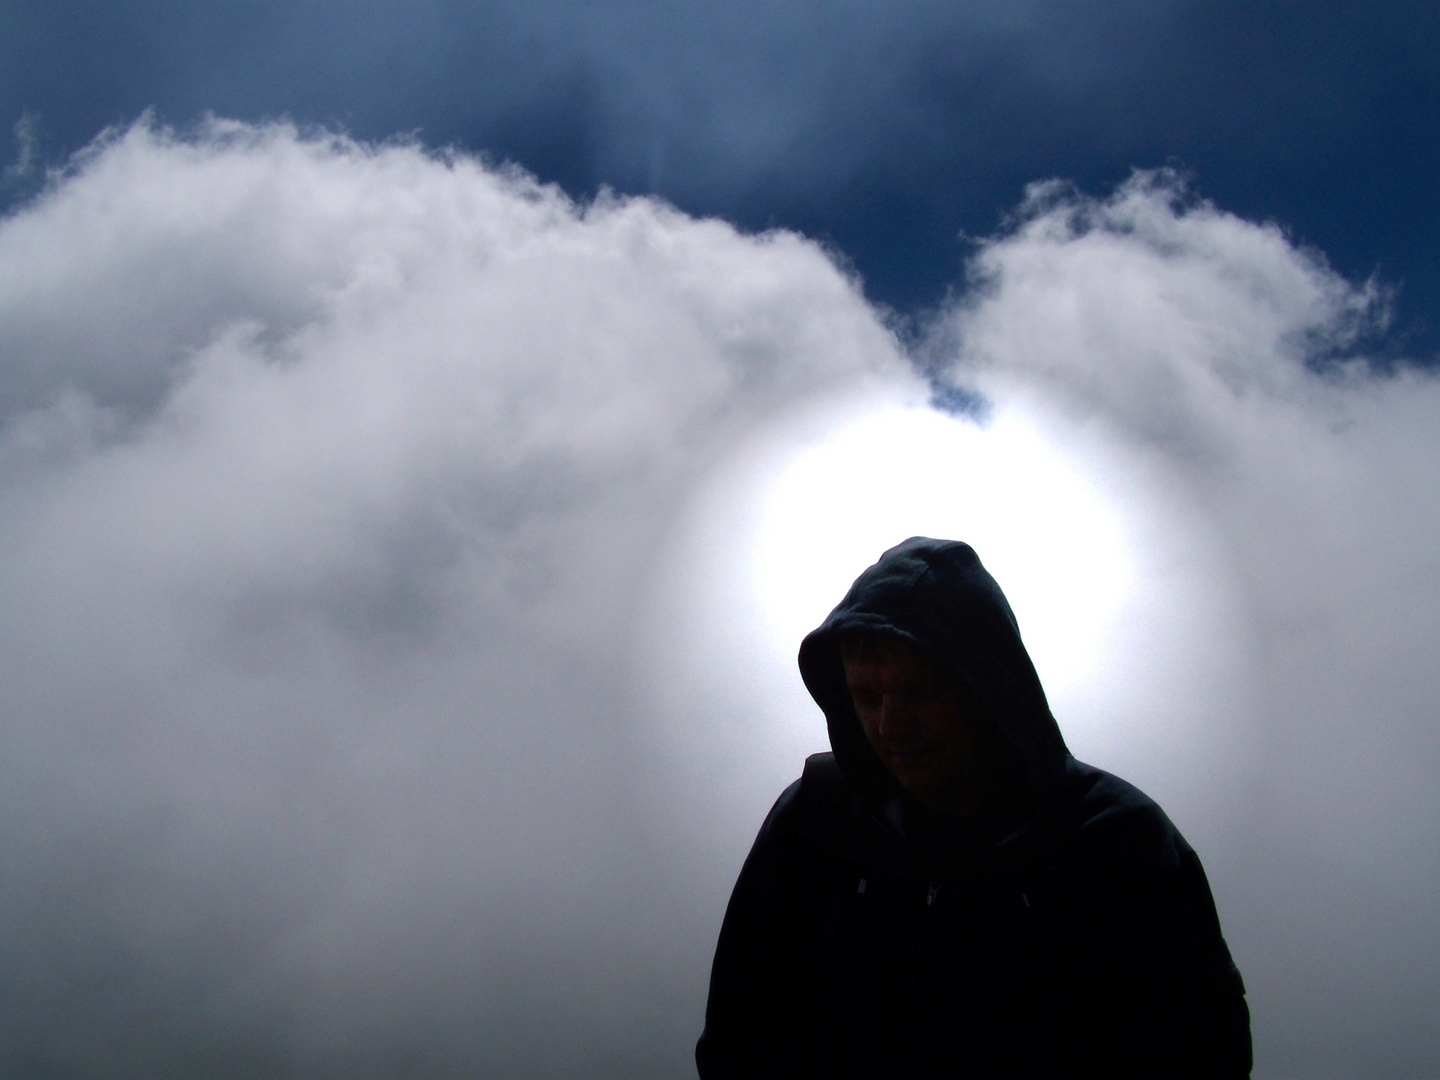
x,y
950,893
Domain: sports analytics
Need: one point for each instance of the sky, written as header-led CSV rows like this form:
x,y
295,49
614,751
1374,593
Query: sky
x,y
426,431
882,129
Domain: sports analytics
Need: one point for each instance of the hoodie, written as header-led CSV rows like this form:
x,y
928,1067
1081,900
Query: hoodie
x,y
1074,934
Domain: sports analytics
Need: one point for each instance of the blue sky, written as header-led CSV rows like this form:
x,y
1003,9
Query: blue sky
x,y
887,129
426,430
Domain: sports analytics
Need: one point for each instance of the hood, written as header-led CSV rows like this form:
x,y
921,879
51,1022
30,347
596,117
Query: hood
x,y
936,594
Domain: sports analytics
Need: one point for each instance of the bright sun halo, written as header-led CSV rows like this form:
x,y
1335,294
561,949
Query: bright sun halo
x,y
1127,611
1052,541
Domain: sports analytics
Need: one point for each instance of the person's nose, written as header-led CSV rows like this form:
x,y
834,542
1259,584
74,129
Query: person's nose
x,y
895,716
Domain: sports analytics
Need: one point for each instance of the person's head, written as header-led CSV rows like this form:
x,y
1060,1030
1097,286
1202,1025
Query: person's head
x,y
926,728
968,729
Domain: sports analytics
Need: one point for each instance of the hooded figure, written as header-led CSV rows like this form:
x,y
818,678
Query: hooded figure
x,y
968,901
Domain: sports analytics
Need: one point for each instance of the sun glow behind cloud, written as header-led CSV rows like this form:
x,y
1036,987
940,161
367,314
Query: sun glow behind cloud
x,y
1054,541
1123,599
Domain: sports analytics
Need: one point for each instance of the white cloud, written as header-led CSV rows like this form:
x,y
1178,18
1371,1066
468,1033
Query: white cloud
x,y
331,482
1209,345
329,474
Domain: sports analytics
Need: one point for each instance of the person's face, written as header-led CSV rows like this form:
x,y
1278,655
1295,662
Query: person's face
x,y
924,727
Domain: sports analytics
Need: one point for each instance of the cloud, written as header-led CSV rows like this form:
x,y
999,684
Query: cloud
x,y
334,481
1269,677
1216,349
329,473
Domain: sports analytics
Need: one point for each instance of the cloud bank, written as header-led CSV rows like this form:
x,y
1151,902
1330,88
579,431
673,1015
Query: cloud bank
x,y
1214,346
332,477
329,474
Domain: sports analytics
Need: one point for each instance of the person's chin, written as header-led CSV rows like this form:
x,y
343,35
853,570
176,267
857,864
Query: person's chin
x,y
915,772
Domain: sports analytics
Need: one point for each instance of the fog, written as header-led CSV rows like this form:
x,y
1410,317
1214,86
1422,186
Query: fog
x,y
348,490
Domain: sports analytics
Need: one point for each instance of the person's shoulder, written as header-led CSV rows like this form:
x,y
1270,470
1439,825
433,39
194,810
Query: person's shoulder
x,y
820,787
1111,812
812,810
794,801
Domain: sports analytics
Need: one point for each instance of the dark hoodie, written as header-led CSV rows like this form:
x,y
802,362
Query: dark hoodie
x,y
868,936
